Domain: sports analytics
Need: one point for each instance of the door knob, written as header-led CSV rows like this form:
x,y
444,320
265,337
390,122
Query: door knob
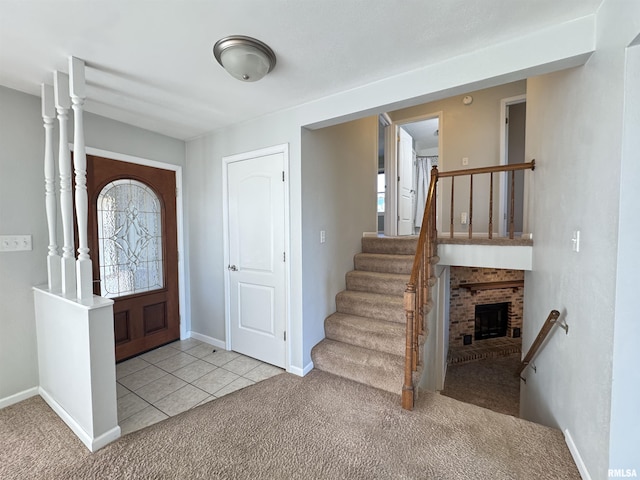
x,y
233,268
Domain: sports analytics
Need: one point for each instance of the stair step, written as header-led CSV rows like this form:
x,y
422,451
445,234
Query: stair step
x,y
376,369
376,282
390,245
389,337
373,305
378,262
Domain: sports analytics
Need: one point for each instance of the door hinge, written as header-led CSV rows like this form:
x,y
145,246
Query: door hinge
x,y
285,335
506,120
283,175
284,256
398,177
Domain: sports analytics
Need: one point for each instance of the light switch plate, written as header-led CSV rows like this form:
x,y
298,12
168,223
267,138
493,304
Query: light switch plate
x,y
15,243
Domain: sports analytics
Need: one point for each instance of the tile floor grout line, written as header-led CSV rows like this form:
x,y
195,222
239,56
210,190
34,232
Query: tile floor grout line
x,y
208,397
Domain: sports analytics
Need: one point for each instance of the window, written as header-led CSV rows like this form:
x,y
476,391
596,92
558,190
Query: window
x,y
381,189
130,239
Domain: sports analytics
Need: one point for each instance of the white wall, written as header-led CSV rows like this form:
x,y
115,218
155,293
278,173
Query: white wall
x,y
339,171
471,131
574,131
22,212
625,414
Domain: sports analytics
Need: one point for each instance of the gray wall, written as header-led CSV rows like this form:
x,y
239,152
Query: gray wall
x,y
575,133
204,204
339,169
22,212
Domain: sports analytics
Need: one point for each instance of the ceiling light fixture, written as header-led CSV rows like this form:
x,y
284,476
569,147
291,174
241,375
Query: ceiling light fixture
x,y
245,58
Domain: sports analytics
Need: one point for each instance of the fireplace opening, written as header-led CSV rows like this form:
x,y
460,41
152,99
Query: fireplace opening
x,y
491,320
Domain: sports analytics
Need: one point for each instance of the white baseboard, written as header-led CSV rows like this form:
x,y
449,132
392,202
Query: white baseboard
x,y
90,442
301,372
18,397
106,438
210,340
582,468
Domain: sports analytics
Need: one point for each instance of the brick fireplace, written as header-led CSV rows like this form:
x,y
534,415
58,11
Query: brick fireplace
x,y
497,293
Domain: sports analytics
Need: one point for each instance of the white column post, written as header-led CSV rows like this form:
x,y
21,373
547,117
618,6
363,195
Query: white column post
x,y
48,117
61,87
84,274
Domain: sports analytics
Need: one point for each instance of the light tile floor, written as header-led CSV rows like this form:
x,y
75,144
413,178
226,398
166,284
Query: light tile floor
x,y
181,375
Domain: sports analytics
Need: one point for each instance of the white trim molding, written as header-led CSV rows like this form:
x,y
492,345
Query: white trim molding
x,y
207,339
301,372
226,160
93,444
502,202
573,449
185,313
18,397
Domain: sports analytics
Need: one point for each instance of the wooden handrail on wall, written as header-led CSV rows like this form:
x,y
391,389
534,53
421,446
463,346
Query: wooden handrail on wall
x,y
417,296
551,320
479,171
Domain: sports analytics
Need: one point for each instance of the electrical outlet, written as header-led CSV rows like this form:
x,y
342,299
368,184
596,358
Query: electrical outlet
x,y
323,236
15,243
463,218
465,161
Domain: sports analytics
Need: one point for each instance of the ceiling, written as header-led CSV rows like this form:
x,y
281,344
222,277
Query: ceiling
x,y
423,133
150,63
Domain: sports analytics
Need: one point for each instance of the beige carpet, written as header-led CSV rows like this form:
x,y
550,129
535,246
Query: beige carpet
x,y
319,426
488,383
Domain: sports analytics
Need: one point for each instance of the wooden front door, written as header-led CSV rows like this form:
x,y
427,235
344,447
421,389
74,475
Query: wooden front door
x,y
133,242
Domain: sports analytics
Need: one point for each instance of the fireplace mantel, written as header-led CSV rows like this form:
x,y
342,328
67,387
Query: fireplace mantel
x,y
474,287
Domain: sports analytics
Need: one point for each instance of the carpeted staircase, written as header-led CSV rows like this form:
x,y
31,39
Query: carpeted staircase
x,y
365,338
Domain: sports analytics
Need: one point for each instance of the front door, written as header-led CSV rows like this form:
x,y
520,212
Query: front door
x,y
256,268
133,242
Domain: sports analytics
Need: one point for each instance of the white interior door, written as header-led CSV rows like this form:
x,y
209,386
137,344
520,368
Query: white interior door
x,y
256,269
405,183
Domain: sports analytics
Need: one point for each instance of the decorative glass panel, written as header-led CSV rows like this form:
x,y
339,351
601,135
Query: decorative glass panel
x,y
130,239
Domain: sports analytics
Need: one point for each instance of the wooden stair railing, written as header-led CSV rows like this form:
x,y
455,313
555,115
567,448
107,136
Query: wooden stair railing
x,y
417,296
548,324
490,170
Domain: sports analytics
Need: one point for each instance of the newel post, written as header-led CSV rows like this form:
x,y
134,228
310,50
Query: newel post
x,y
61,85
48,118
77,89
409,307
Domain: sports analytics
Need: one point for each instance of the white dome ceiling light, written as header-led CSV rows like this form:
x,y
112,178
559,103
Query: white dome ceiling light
x,y
245,58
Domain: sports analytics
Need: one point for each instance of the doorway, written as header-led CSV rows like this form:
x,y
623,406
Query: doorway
x,y
412,148
512,151
133,239
256,254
